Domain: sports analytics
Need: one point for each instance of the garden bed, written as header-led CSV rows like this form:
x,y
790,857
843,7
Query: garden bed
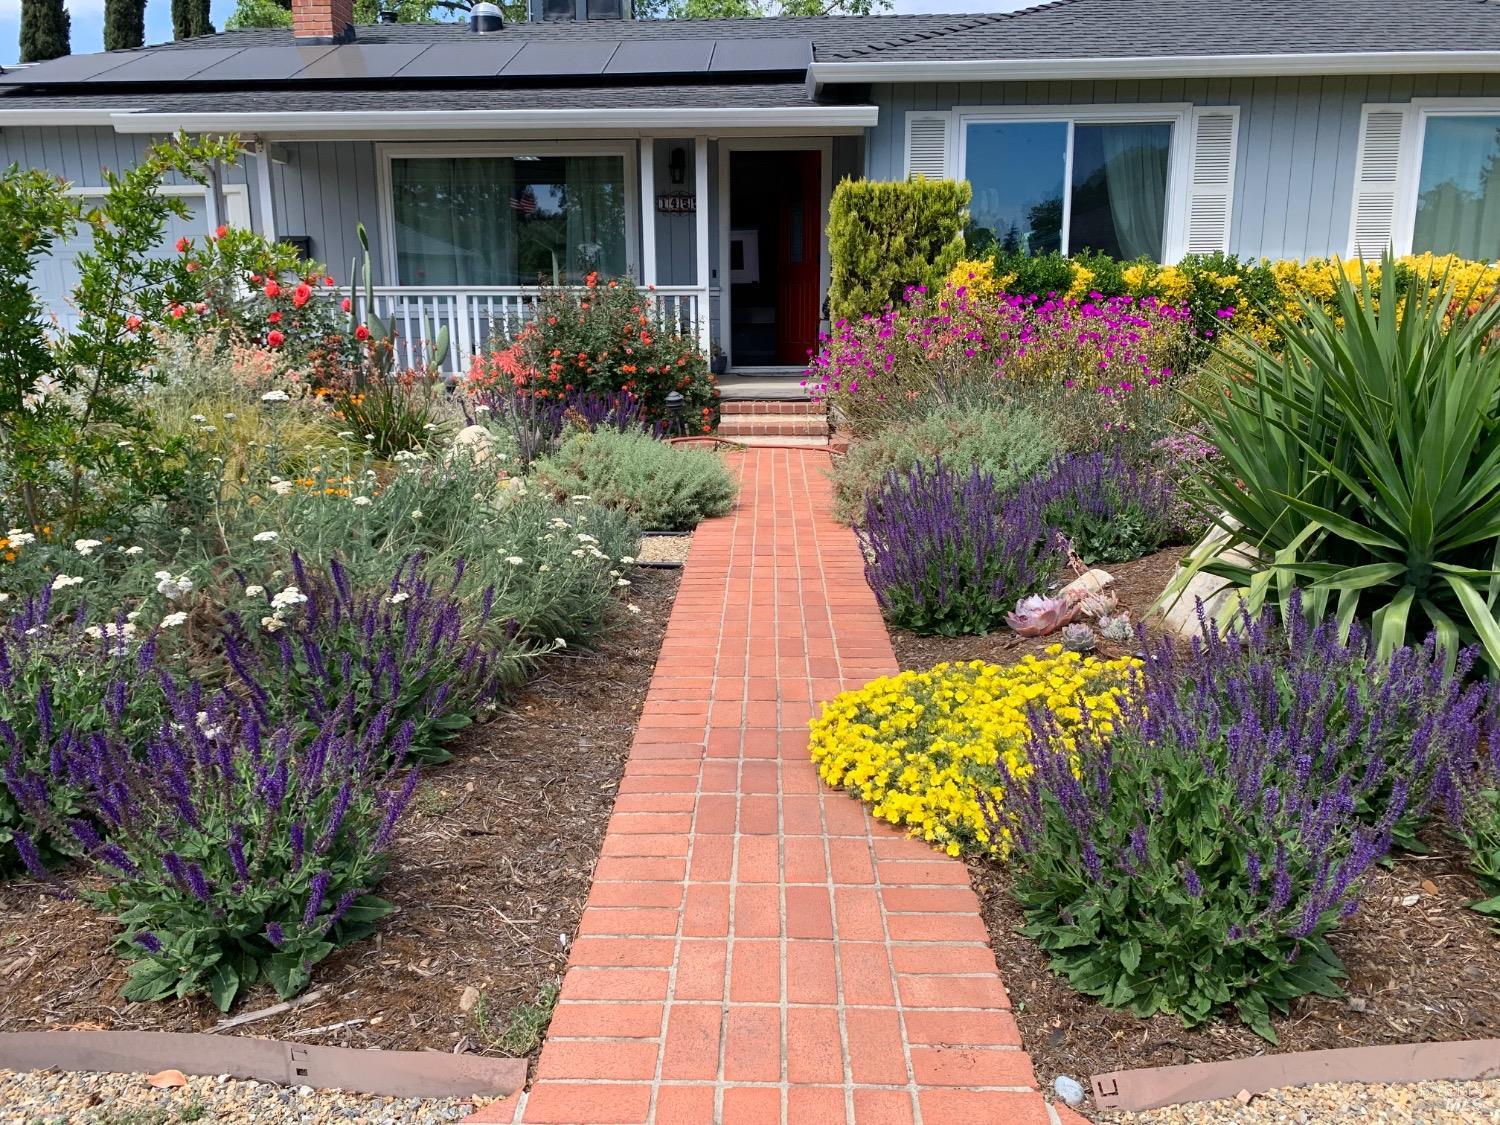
x,y
1420,970
489,872
1137,585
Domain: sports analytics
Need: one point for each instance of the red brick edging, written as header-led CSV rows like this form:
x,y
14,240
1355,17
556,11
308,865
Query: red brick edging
x,y
755,949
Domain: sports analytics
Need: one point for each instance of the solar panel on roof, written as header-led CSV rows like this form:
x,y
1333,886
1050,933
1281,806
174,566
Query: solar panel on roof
x,y
552,57
752,54
167,66
661,56
269,63
481,59
69,68
354,60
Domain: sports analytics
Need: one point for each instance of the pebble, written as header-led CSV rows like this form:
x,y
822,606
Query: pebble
x,y
1416,1103
664,548
50,1097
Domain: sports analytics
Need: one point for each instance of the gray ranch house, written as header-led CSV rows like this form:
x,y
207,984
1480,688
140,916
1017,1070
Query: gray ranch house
x,y
700,156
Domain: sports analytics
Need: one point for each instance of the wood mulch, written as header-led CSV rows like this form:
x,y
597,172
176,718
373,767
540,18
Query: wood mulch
x,y
1424,972
490,873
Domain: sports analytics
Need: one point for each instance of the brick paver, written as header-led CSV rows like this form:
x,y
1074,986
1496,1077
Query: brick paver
x,y
755,949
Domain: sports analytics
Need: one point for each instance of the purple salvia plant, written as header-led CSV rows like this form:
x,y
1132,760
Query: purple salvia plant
x,y
948,553
1274,768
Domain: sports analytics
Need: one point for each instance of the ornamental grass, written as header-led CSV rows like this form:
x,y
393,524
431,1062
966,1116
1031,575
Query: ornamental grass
x,y
929,750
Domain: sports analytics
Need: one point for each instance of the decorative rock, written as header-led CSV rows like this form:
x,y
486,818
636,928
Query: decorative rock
x,y
1217,594
475,441
1070,1090
1094,581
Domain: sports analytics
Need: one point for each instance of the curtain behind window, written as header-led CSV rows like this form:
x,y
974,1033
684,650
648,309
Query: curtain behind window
x,y
1458,194
479,220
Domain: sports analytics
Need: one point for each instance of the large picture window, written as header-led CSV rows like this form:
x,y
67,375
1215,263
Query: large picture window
x,y
1071,185
507,220
1458,187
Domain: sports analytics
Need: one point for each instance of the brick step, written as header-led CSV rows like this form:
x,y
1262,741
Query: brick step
x,y
771,407
740,425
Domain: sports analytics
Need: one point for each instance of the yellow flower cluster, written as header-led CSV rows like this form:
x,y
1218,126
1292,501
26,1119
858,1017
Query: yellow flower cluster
x,y
977,279
922,747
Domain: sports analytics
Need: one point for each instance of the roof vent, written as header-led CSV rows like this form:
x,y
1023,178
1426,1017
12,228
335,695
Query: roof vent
x,y
485,19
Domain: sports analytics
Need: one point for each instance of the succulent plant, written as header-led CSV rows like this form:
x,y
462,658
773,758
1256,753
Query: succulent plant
x,y
1039,615
1078,638
1117,628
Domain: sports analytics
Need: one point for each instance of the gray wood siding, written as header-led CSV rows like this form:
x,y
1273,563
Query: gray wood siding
x,y
1297,142
325,190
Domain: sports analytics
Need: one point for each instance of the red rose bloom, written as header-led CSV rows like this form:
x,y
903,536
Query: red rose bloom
x,y
182,245
221,231
178,312
361,333
275,338
301,295
345,305
272,289
275,317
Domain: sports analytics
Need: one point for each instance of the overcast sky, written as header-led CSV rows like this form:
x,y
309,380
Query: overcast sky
x,y
88,18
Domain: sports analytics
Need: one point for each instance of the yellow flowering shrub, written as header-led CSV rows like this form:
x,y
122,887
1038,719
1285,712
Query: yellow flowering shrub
x,y
976,277
921,747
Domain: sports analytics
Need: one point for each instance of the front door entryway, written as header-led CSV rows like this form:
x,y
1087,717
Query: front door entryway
x,y
775,270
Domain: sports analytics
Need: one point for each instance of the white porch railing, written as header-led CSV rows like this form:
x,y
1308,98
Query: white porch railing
x,y
482,319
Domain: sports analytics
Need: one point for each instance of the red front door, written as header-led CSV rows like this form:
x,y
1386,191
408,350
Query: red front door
x,y
799,259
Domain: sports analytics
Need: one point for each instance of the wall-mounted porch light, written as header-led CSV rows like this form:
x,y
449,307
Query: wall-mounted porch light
x,y
677,164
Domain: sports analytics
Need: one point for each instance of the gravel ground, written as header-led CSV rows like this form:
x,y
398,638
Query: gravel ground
x,y
46,1097
1420,1103
664,548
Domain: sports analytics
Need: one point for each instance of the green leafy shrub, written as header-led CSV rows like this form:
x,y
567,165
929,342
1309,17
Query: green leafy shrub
x,y
1196,851
665,487
886,236
1363,460
1009,444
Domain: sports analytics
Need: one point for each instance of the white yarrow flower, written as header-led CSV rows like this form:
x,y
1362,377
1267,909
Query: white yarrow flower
x,y
135,550
281,487
514,560
361,501
254,591
287,598
274,396
19,538
272,623
266,536
63,581
87,546
172,620
399,596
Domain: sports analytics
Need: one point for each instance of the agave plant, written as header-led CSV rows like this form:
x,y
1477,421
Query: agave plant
x,y
1362,463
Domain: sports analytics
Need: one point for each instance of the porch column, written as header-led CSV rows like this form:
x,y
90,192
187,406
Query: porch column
x,y
648,210
264,198
700,187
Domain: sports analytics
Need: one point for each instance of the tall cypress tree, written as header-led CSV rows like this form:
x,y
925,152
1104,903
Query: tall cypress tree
x,y
44,30
124,24
190,18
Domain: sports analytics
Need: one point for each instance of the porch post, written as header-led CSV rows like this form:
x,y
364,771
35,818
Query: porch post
x,y
263,188
648,210
700,187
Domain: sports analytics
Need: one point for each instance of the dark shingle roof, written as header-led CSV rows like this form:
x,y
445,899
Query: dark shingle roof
x,y
1084,29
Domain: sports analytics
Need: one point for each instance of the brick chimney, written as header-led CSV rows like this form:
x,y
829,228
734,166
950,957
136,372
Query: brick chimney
x,y
323,21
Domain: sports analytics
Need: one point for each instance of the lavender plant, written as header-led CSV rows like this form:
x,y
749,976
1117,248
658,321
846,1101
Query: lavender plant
x,y
1108,509
412,652
232,849
59,670
1470,790
1196,852
950,554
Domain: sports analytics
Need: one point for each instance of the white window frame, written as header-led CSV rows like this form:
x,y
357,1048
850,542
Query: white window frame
x,y
1414,142
236,200
627,150
1179,158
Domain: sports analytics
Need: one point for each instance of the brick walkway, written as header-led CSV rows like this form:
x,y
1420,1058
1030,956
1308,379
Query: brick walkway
x,y
755,950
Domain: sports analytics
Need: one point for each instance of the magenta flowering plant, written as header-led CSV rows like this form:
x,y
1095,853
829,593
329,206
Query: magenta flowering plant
x,y
1110,359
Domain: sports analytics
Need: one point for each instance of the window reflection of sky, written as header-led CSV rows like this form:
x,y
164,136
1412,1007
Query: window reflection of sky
x,y
1016,169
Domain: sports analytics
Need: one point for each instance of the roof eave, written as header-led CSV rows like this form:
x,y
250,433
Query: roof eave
x,y
1182,66
20,116
375,122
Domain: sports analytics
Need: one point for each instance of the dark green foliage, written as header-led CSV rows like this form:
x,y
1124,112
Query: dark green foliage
x,y
45,26
190,19
124,24
884,237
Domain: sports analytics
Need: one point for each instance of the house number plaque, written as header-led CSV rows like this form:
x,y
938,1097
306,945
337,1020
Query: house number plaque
x,y
677,203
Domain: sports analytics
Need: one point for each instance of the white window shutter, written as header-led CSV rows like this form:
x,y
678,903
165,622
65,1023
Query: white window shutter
x,y
1211,179
927,145
1377,180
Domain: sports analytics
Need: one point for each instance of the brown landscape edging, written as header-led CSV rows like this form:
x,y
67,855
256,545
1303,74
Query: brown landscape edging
x,y
1152,1087
401,1074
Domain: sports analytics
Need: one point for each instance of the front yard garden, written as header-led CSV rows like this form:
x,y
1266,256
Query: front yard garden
x,y
301,648
1267,820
